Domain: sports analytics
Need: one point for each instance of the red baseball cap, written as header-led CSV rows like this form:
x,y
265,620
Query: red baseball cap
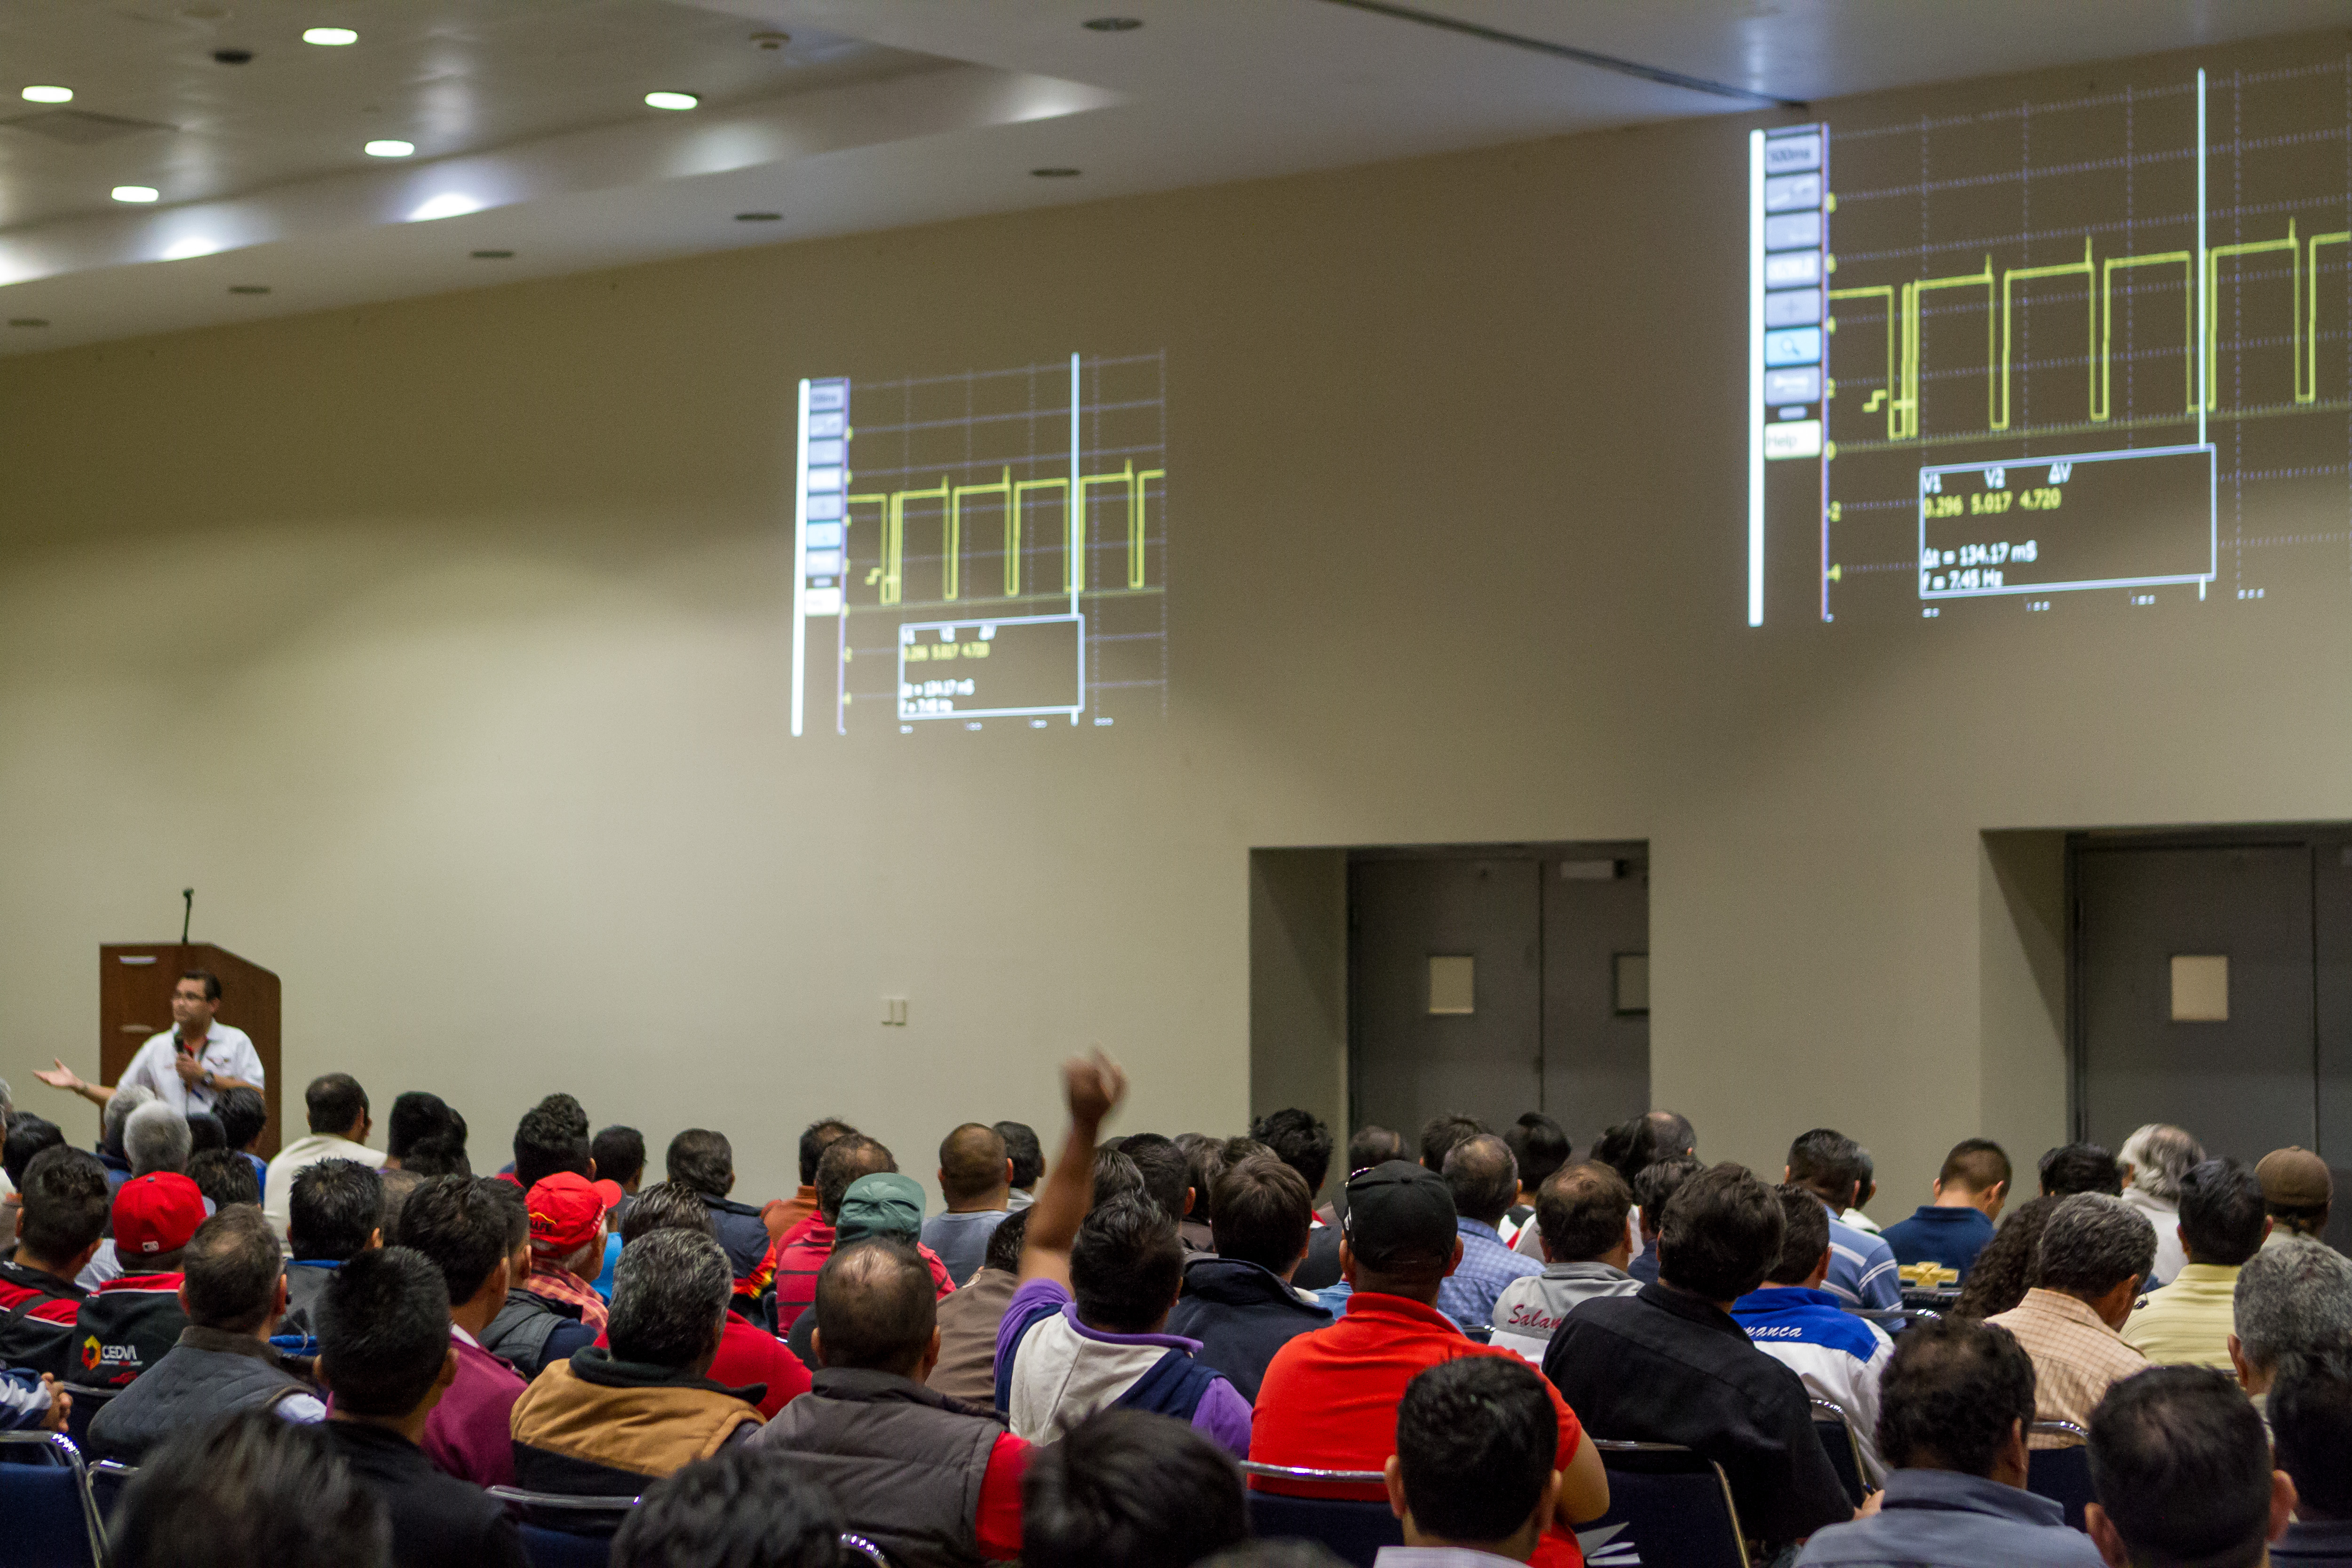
x,y
154,1214
567,1212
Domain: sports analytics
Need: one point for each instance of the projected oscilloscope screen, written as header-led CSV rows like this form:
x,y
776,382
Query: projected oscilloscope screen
x,y
982,550
2053,354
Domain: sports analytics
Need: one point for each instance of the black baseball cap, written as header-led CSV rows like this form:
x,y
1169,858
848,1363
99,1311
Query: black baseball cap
x,y
1398,1210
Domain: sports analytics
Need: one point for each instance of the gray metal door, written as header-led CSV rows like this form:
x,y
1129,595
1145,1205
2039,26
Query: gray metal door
x,y
1596,1004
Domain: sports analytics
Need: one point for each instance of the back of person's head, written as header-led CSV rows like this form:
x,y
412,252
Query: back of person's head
x,y
1655,1184
1021,1147
399,1185
971,1163
2181,1469
1442,1132
667,1206
1126,1265
232,1266
28,1135
459,1224
2159,1154
253,1487
701,1158
1129,1487
551,1136
1483,1177
1806,1237
1998,1280
1261,1212
1952,1395
2080,1168
1401,1229
1004,1242
416,1115
1300,1140
66,1204
156,1138
204,1133
224,1177
1207,1161
1671,1134
1581,1212
1476,1440
1167,1172
1374,1145
2292,1297
671,1292
1828,1162
744,1507
440,1152
2091,1243
384,1332
876,1307
1115,1176
2310,1411
620,1154
334,1103
846,1158
1975,1164
333,1210
244,1115
2222,1213
815,1139
112,1120
1721,1231
1538,1146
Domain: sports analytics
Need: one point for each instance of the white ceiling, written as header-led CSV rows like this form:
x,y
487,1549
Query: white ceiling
x,y
529,126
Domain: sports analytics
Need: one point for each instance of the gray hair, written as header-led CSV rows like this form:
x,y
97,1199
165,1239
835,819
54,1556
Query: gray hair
x,y
2090,1243
119,1107
669,1297
2296,1296
7,1102
2159,1154
156,1138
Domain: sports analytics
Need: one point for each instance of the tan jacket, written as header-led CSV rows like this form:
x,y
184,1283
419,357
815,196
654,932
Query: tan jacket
x,y
567,1425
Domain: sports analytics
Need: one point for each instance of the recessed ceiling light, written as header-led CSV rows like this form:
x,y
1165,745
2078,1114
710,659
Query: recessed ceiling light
x,y
249,288
672,101
1055,173
1113,24
137,193
494,255
389,149
330,36
48,95
27,321
234,56
758,217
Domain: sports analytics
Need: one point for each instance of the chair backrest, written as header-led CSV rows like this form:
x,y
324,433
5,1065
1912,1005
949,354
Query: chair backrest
x,y
2061,1475
1668,1507
1354,1528
545,1548
44,1501
87,1402
107,1479
1895,1319
1836,1433
559,1531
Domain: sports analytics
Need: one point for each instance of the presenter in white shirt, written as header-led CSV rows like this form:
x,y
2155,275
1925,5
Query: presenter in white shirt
x,y
188,1066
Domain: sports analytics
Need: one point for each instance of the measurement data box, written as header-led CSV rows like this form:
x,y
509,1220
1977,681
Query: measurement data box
x,y
2102,520
991,668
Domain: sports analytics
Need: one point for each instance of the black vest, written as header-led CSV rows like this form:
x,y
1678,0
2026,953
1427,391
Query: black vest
x,y
904,1461
208,1374
519,1334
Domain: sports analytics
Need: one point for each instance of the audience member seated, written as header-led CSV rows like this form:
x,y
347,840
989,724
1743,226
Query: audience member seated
x,y
425,1135
1956,1401
932,1480
2094,1251
970,1317
2189,1321
1167,1174
1239,1304
2311,1433
1206,1159
792,1262
703,1160
27,1136
748,1353
740,1508
1953,1228
224,1177
466,1226
1539,1148
1867,1188
156,1138
607,1420
1828,1164
1654,1186
1632,1147
619,1155
1579,1223
252,1489
1998,1282
1083,1330
132,1322
338,1110
2295,1300
2182,1471
233,1292
385,1350
531,1331
334,1213
243,1118
1838,1356
1372,1145
1129,1487
111,1122
567,1242
2072,1168
1472,1476
2151,1163
2297,1192
975,1181
61,1213
1671,1365
1028,1157
1300,1140
1485,1182
884,1204
552,1136
1329,1399
782,1217
1441,1132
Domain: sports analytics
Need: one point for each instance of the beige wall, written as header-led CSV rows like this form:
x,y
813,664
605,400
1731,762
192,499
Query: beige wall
x,y
442,646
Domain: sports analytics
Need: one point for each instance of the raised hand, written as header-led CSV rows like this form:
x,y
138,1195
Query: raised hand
x,y
61,1076
1094,1084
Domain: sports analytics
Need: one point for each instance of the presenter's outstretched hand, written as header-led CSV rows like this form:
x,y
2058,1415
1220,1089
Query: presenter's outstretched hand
x,y
1094,1084
61,1076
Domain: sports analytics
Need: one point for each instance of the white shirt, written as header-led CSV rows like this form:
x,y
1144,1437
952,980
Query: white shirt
x,y
228,1053
278,1190
2165,1217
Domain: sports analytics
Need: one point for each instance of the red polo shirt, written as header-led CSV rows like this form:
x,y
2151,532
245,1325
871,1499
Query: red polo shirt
x,y
1329,1399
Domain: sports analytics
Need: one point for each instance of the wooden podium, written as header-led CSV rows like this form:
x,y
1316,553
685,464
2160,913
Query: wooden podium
x,y
134,1001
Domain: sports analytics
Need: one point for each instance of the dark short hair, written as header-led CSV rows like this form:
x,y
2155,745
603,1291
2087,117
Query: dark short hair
x,y
1806,1237
212,987
1207,1161
1374,1145
846,1158
744,1507
334,1101
2221,1212
383,1331
1125,1267
703,1159
1484,1177
1476,1438
1978,1165
1721,1231
972,1161
667,1205
2080,1168
1656,1183
552,1136
332,1209
205,1133
1129,1487
226,1177
671,1292
67,1203
620,1154
815,1139
28,1135
2310,1410
2182,1467
876,1306
1167,1174
1442,1132
1004,1242
1300,1140
1115,1176
459,1224
1951,1396
399,1184
416,1115
1829,1162
1261,1212
2091,1243
231,1268
244,1114
1021,1147
249,1487
1539,1145
1581,1212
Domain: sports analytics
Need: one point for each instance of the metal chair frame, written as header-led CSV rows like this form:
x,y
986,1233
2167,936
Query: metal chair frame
x,y
64,1456
853,1541
1827,1410
1308,1473
2058,1430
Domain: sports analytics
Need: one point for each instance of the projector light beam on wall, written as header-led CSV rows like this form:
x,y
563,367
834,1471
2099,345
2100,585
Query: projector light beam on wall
x,y
449,204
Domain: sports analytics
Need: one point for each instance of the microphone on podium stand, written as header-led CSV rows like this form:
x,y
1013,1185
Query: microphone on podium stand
x,y
187,912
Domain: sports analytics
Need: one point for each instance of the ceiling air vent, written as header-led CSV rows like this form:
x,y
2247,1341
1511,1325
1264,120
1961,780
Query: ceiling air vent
x,y
78,127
